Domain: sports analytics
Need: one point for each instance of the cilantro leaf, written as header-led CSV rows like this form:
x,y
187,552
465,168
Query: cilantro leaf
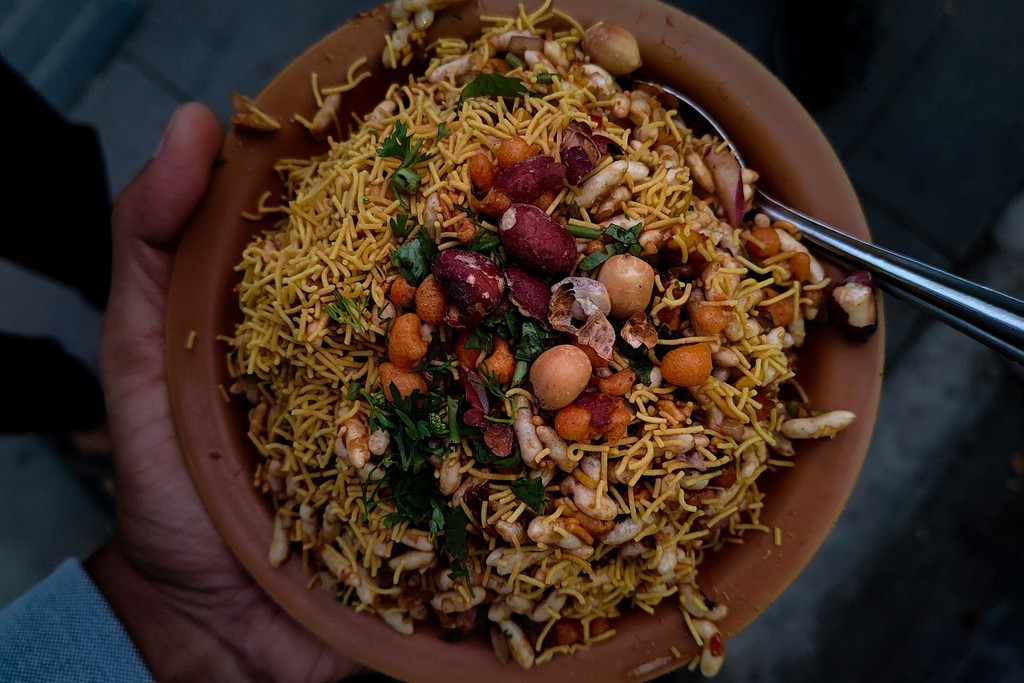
x,y
490,383
638,362
533,341
530,490
486,243
400,225
623,241
480,338
457,544
416,499
627,239
493,84
597,258
485,456
456,537
398,145
407,478
412,259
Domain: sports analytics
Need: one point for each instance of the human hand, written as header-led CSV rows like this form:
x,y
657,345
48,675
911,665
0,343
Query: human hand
x,y
189,606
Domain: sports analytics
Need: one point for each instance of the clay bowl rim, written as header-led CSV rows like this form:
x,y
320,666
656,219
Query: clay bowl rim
x,y
777,137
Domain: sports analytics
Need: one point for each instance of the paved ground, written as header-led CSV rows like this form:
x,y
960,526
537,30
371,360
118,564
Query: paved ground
x,y
922,100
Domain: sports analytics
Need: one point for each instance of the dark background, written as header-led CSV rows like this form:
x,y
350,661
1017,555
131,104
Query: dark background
x,y
923,577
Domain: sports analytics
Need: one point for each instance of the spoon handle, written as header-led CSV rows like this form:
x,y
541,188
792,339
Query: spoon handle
x,y
988,316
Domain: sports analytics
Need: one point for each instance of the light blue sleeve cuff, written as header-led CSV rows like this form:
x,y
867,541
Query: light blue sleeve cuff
x,y
64,630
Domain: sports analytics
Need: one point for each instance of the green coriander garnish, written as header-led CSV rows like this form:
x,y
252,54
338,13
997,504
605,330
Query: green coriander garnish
x,y
493,84
398,145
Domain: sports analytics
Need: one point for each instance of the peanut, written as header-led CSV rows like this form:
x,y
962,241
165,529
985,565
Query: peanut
x,y
613,48
482,171
471,280
629,281
536,241
559,375
514,150
599,626
566,632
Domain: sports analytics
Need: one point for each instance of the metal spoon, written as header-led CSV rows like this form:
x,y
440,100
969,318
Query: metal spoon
x,y
991,317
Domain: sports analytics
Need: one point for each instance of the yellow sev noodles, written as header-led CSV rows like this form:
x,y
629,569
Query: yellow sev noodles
x,y
683,478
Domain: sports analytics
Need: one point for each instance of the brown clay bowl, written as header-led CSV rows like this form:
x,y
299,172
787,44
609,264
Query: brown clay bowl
x,y
775,135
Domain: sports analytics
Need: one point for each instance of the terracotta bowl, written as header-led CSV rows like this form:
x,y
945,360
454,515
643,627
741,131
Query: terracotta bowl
x,y
776,136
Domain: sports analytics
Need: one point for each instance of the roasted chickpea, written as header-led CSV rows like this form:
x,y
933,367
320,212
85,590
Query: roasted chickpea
x,y
559,375
630,282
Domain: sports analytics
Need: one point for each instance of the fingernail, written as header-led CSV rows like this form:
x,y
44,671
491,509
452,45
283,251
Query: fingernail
x,y
168,129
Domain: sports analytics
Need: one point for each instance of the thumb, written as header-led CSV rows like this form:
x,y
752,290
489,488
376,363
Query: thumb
x,y
155,206
147,219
